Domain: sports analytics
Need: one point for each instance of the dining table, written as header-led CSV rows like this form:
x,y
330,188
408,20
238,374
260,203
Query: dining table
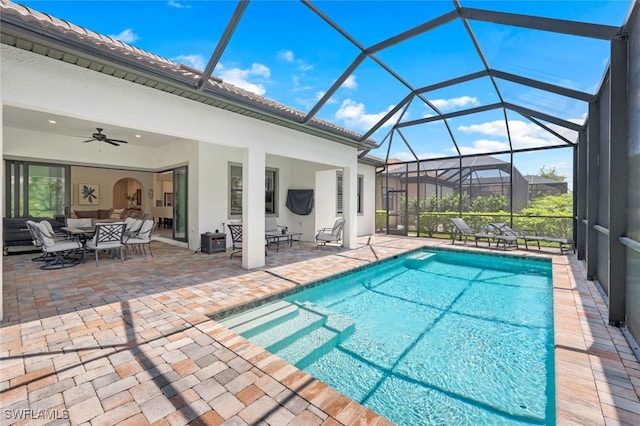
x,y
82,234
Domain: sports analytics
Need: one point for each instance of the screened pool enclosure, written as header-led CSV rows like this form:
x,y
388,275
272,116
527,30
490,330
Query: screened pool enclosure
x,y
520,112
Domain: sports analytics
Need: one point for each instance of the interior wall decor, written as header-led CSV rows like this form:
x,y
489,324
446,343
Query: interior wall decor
x,y
88,194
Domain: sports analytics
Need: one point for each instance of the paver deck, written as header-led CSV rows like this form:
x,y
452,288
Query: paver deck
x,y
130,342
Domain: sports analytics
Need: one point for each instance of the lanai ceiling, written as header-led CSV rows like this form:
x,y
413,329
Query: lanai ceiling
x,y
431,78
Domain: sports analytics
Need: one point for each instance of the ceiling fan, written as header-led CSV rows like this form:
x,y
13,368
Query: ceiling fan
x,y
101,137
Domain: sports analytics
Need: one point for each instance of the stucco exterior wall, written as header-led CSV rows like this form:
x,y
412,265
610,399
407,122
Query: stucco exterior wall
x,y
206,138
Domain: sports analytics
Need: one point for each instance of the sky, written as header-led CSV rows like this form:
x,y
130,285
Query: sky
x,y
283,51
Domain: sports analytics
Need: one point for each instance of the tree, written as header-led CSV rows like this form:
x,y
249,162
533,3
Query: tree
x,y
550,173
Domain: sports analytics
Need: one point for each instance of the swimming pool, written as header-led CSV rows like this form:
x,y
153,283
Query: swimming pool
x,y
434,337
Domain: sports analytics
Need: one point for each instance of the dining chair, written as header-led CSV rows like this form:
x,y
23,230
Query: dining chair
x,y
142,238
108,236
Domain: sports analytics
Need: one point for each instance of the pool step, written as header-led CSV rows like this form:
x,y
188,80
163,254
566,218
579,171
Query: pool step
x,y
299,334
306,347
310,347
417,261
257,320
287,332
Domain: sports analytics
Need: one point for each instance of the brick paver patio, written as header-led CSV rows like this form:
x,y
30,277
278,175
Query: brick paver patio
x,y
130,343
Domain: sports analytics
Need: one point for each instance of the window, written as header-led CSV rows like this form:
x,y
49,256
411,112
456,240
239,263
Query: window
x,y
235,190
36,189
339,192
360,191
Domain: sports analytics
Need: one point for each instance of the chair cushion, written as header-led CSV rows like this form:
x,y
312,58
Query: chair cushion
x,y
104,245
79,223
326,237
47,239
64,245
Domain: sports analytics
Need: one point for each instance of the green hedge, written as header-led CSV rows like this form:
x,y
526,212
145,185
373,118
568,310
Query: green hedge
x,y
439,222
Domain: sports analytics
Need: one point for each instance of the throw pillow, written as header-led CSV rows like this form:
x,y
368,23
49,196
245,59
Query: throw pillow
x,y
117,213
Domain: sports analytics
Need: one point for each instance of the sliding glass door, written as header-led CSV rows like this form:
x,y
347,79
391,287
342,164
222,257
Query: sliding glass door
x,y
180,204
36,189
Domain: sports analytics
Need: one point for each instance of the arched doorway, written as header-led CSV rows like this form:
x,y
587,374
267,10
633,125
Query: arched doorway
x,y
127,193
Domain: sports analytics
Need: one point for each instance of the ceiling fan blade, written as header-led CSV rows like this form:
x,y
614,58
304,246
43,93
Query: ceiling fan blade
x,y
90,140
117,140
111,142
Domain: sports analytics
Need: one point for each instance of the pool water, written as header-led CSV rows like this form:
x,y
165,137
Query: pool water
x,y
429,338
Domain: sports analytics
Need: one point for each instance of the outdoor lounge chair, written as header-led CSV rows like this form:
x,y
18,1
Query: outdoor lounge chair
x,y
564,243
332,235
464,230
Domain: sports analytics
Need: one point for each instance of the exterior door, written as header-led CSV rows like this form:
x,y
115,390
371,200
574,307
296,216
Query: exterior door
x,y
396,212
180,225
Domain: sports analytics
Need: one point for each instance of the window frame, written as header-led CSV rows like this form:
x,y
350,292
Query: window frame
x,y
271,180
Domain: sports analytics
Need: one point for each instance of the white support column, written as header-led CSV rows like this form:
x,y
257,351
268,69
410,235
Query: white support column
x,y
253,177
349,205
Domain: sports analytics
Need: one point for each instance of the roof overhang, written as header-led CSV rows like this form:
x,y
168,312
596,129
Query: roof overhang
x,y
75,45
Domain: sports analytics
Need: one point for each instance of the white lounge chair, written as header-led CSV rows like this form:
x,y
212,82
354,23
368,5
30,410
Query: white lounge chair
x,y
332,235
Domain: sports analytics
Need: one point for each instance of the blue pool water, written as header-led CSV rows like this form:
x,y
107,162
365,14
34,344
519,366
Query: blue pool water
x,y
436,338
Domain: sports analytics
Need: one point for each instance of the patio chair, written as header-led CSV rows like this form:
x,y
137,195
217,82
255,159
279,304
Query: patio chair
x,y
236,239
563,243
36,240
79,223
142,238
59,251
108,236
464,230
332,235
271,225
132,226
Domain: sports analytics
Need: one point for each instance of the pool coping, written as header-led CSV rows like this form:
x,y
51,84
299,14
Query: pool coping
x,y
238,309
577,400
110,337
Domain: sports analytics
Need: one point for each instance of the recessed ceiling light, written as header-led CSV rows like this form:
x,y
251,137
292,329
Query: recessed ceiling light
x,y
52,121
138,136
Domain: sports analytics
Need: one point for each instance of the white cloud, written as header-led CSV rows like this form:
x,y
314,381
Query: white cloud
x,y
126,36
523,135
407,156
178,5
350,82
288,56
194,61
449,104
241,77
483,146
353,115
